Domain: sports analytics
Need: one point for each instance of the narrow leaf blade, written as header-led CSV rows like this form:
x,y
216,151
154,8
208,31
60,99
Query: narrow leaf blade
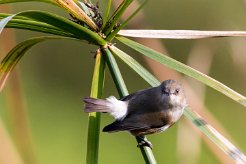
x,y
4,22
30,24
179,34
116,16
180,67
123,24
225,145
132,63
66,25
13,57
106,16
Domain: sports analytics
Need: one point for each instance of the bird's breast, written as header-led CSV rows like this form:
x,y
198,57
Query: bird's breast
x,y
176,114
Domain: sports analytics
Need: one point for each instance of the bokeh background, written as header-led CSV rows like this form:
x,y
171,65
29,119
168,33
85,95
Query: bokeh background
x,y
55,75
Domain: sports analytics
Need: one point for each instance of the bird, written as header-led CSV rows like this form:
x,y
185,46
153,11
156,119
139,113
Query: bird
x,y
148,111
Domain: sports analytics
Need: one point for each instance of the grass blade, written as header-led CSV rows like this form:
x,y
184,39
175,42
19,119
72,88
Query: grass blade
x,y
180,67
225,145
120,85
94,118
206,129
66,25
116,16
33,25
146,75
62,23
13,57
179,34
19,124
112,35
107,13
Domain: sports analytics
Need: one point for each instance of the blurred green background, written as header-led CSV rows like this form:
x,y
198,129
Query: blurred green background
x,y
56,75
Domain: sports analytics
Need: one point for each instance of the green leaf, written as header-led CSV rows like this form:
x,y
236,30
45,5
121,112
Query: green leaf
x,y
64,24
178,66
105,18
4,22
14,1
123,24
132,63
116,16
207,129
94,118
224,144
32,25
13,57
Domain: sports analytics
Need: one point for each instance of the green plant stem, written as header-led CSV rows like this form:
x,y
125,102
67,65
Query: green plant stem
x,y
107,13
121,87
115,73
112,35
94,118
116,16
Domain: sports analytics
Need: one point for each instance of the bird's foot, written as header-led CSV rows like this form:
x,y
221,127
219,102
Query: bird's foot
x,y
142,141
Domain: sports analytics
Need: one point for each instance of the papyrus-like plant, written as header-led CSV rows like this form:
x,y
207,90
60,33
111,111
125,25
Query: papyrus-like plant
x,y
89,26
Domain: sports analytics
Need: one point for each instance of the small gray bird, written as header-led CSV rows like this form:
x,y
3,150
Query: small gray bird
x,y
144,112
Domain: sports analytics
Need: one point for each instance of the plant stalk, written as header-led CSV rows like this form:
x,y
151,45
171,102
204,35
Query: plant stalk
x,y
114,33
122,90
116,16
94,118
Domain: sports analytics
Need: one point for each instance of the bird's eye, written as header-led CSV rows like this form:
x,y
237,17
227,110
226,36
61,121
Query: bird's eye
x,y
176,91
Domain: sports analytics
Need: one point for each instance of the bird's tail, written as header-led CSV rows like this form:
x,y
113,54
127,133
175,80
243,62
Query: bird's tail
x,y
96,105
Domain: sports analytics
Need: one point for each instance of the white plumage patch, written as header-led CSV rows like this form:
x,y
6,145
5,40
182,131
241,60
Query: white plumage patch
x,y
176,114
118,109
178,103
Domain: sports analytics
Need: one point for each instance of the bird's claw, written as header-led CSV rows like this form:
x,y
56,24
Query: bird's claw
x,y
144,142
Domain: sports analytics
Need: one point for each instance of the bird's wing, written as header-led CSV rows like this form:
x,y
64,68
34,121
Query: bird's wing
x,y
120,126
128,97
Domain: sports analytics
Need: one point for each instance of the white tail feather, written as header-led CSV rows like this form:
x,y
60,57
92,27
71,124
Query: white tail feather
x,y
113,106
